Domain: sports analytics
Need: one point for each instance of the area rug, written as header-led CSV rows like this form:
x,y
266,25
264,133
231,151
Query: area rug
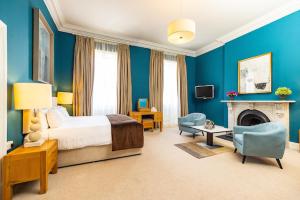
x,y
225,137
198,150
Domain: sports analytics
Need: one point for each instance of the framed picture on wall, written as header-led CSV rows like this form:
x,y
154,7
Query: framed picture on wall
x,y
255,74
43,49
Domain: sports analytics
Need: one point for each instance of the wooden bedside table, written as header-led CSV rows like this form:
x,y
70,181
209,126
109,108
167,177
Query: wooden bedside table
x,y
28,164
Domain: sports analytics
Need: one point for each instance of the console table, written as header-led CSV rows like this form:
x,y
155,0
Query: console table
x,y
156,116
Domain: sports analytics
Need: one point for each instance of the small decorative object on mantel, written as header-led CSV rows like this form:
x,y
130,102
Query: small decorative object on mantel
x,y
283,92
231,94
209,124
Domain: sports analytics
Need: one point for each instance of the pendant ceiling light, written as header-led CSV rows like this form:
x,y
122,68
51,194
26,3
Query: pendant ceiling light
x,y
181,30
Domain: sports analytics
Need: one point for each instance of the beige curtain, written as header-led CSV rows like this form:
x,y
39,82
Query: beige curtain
x,y
83,76
182,83
124,95
156,79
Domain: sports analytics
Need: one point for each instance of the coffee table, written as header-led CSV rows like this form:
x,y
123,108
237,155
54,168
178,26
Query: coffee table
x,y
211,132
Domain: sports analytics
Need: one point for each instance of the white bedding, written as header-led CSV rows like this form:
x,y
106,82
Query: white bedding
x,y
79,132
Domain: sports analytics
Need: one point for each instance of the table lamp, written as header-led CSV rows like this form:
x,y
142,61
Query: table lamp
x,y
29,97
64,98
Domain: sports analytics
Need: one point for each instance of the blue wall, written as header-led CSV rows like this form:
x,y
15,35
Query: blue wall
x,y
210,71
140,62
18,15
282,38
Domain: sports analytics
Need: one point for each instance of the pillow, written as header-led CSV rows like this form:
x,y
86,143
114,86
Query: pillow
x,y
54,118
43,120
63,111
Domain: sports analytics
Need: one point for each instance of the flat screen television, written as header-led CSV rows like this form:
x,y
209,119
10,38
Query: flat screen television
x,y
204,92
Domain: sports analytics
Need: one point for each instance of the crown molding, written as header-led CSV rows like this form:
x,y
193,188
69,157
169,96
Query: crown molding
x,y
272,16
55,13
77,30
62,26
256,24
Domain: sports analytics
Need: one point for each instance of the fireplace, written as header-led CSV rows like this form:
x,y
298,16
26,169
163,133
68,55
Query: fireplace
x,y
263,110
251,117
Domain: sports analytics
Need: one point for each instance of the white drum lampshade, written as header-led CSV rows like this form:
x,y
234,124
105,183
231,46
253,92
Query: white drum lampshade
x,y
181,31
28,96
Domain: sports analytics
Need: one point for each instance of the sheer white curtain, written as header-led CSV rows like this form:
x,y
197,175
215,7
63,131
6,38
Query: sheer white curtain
x,y
105,80
170,99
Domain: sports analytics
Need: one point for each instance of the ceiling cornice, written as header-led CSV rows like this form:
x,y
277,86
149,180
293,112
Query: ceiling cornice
x,y
256,24
274,15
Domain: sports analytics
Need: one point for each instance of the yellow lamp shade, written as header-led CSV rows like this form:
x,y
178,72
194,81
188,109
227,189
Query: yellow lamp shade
x,y
181,31
29,96
64,98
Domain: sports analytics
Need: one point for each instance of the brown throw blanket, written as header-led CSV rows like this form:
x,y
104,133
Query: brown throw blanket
x,y
126,132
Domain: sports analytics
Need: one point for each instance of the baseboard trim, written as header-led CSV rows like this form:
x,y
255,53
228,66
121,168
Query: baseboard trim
x,y
294,146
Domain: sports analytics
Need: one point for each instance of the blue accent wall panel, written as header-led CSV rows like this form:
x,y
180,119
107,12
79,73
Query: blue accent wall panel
x,y
18,16
140,63
282,39
210,71
64,52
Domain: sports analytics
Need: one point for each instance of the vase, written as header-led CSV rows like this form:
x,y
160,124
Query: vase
x,y
282,97
231,98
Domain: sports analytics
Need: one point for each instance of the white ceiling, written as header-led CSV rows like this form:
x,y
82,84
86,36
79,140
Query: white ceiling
x,y
147,20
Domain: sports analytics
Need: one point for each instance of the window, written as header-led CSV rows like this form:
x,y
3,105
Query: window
x,y
105,79
170,96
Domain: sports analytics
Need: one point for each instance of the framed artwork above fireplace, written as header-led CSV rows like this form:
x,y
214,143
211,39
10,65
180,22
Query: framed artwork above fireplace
x,y
255,74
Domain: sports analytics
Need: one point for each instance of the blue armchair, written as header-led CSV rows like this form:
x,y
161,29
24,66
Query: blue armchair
x,y
193,119
265,140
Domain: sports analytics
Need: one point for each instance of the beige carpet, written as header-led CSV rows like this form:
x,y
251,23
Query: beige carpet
x,y
165,172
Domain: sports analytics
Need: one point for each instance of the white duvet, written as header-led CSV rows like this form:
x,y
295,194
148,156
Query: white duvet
x,y
79,132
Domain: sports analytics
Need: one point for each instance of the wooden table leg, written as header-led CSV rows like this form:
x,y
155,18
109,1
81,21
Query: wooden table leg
x,y
43,174
6,191
209,139
54,169
161,126
6,187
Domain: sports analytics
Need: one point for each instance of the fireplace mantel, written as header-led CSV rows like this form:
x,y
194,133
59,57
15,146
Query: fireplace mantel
x,y
258,101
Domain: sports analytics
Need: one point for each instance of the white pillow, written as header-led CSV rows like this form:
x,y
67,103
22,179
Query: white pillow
x,y
63,111
54,118
43,120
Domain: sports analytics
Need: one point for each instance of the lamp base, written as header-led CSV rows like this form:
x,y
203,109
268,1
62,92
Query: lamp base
x,y
27,115
34,144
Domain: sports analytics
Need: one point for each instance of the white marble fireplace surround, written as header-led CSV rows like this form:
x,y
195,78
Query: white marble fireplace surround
x,y
277,111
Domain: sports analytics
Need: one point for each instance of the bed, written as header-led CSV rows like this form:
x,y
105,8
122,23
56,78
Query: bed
x,y
90,138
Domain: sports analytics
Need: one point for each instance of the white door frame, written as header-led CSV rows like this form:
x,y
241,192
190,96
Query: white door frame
x,y
3,93
3,88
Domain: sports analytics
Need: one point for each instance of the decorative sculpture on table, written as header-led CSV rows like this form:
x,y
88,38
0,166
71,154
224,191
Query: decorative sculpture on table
x,y
35,133
209,124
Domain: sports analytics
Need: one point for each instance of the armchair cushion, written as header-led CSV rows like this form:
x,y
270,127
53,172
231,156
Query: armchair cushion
x,y
187,124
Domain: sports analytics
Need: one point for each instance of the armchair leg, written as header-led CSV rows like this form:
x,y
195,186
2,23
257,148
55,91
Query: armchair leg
x,y
244,159
279,163
180,132
202,133
194,135
235,150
